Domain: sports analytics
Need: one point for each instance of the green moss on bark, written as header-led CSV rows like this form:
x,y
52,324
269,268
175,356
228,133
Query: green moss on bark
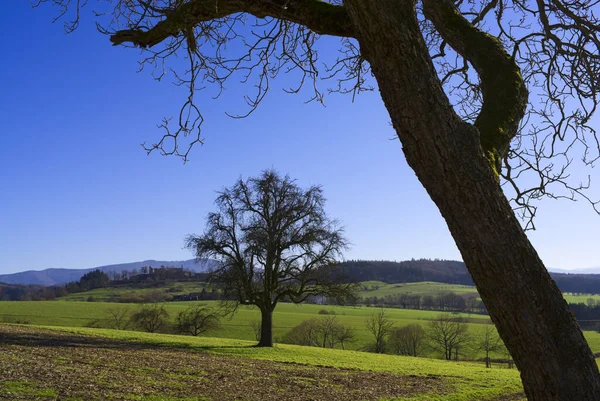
x,y
503,89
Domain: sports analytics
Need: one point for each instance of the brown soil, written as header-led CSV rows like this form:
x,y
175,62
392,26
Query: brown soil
x,y
40,364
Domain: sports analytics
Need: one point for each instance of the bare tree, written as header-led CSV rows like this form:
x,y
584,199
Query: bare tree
x,y
324,332
273,241
448,335
119,317
150,318
487,340
197,319
344,334
407,340
380,326
303,334
455,78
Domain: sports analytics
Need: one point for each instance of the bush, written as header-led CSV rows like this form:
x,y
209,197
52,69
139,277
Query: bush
x,y
323,332
197,319
150,318
408,340
326,312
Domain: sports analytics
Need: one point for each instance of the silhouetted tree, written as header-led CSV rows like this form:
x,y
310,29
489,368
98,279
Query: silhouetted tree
x,y
448,334
197,319
273,241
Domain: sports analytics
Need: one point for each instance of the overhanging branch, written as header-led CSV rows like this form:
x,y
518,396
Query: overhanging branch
x,y
320,17
504,92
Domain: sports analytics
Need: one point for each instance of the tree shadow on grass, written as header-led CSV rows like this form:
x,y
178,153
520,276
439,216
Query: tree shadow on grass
x,y
31,337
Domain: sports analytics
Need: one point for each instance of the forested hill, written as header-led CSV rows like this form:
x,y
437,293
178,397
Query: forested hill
x,y
448,271
408,271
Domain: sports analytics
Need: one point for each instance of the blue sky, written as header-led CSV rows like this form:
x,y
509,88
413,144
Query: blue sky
x,y
77,190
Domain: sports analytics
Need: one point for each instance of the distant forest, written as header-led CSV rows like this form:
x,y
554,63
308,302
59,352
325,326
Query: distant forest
x,y
449,271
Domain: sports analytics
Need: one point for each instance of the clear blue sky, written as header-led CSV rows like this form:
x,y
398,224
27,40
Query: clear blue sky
x,y
77,190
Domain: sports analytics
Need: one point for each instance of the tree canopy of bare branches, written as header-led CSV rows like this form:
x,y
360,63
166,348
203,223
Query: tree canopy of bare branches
x,y
273,241
379,325
448,335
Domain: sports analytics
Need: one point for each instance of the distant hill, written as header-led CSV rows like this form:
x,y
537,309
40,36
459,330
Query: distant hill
x,y
61,276
409,271
589,270
450,272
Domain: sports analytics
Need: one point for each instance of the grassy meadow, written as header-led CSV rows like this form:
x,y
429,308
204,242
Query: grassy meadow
x,y
286,316
109,293
380,289
81,314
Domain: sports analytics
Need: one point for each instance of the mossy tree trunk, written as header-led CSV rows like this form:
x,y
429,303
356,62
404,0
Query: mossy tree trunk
x,y
447,156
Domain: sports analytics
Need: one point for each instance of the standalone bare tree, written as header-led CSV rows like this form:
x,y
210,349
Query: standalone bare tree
x,y
197,319
119,317
324,332
150,318
455,77
273,241
448,335
380,326
408,340
487,340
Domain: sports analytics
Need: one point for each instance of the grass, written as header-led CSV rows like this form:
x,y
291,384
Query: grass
x,y
110,293
79,314
283,372
380,289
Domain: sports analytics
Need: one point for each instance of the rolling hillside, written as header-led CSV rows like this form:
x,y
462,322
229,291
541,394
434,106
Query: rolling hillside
x,y
50,277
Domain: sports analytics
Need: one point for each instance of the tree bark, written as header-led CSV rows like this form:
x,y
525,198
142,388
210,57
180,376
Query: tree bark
x,y
532,317
266,328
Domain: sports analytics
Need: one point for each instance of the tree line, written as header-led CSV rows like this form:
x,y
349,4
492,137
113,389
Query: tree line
x,y
446,335
444,301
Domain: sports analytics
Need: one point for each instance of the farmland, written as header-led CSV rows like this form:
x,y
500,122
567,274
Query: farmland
x,y
99,364
80,314
380,289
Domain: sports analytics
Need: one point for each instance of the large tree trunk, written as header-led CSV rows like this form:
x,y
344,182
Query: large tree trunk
x,y
523,301
266,328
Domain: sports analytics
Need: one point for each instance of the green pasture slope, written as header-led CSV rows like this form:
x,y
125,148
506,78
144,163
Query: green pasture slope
x,y
380,289
80,314
466,381
109,293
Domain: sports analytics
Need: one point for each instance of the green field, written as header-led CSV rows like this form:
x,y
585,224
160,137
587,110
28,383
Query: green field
x,y
80,314
124,365
380,289
109,293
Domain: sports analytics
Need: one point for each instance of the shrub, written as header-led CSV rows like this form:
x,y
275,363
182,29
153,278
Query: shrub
x,y
197,319
150,318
